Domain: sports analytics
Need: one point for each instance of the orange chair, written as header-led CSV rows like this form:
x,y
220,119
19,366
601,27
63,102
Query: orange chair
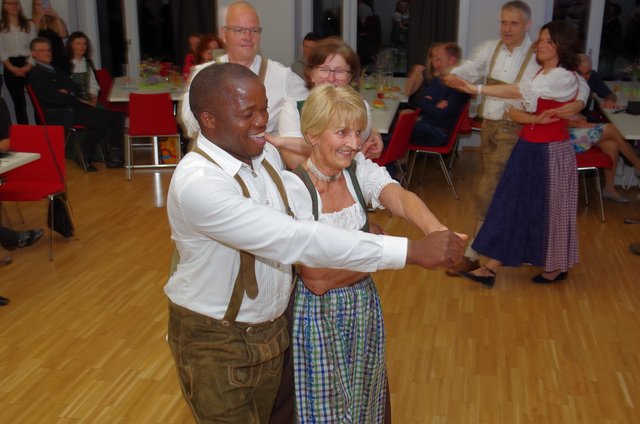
x,y
105,81
399,142
43,178
591,161
72,130
151,117
439,151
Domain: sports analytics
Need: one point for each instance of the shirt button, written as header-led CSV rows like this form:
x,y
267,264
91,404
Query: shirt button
x,y
254,174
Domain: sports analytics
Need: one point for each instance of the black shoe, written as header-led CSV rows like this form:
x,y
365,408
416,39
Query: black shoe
x,y
24,239
90,168
539,279
115,158
486,280
4,301
115,163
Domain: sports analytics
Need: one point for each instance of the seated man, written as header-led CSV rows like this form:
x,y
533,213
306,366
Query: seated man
x,y
308,43
597,87
439,105
58,96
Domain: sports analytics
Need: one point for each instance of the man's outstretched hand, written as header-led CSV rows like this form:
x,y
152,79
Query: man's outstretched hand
x,y
439,249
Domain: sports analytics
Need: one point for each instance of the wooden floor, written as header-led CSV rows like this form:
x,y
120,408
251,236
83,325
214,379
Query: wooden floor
x,y
83,339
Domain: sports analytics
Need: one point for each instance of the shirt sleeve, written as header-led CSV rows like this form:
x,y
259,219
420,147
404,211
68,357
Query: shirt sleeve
x,y
289,122
295,87
557,84
189,122
217,209
372,179
475,68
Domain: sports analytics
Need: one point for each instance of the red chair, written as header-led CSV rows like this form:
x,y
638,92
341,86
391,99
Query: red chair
x,y
151,116
73,129
43,178
399,142
439,151
591,161
105,81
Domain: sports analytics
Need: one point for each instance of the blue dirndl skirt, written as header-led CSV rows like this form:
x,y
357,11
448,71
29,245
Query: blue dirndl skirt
x,y
532,217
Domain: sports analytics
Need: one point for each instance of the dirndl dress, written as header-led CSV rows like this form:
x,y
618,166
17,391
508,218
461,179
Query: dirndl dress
x,y
339,355
532,217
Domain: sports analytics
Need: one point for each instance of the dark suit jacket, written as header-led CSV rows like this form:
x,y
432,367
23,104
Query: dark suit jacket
x,y
57,106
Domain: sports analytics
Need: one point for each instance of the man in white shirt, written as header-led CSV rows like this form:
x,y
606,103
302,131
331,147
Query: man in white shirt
x,y
241,31
507,60
227,332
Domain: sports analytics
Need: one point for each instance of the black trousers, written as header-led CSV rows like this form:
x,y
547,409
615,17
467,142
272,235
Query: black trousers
x,y
100,123
15,86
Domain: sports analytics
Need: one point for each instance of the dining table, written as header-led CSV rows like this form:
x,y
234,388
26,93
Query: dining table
x,y
14,160
393,95
123,86
627,124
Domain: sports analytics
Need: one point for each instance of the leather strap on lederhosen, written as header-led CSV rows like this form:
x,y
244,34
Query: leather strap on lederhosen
x,y
246,281
494,81
262,72
351,170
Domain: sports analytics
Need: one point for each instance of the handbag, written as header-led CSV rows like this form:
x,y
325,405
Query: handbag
x,y
62,217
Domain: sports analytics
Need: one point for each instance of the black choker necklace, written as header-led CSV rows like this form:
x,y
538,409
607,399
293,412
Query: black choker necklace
x,y
322,177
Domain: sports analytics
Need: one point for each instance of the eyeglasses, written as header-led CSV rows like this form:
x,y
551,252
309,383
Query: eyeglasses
x,y
238,31
339,74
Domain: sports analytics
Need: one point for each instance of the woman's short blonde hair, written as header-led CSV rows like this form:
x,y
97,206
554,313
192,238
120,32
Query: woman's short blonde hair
x,y
328,105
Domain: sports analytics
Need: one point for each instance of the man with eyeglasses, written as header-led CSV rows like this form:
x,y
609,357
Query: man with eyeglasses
x,y
239,26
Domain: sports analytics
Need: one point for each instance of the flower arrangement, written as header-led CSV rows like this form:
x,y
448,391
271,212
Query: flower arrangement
x,y
150,73
633,70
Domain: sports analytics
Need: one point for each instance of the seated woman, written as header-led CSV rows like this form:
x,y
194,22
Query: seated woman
x,y
190,57
607,137
82,71
333,62
81,68
440,106
207,46
338,337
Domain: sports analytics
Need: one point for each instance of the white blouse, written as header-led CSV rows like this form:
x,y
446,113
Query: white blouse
x,y
15,42
372,179
80,66
558,84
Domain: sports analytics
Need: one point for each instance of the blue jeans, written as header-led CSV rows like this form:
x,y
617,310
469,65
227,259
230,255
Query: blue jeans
x,y
427,134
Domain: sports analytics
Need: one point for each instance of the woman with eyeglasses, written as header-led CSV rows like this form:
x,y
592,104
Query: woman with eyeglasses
x,y
16,32
333,62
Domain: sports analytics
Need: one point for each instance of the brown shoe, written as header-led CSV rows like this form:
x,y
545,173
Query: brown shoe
x,y
465,265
